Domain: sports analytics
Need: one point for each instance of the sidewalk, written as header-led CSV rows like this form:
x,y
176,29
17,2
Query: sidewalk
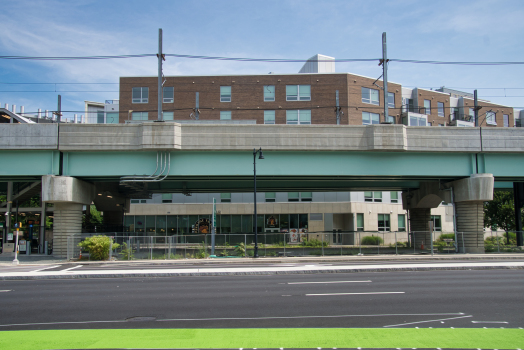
x,y
41,267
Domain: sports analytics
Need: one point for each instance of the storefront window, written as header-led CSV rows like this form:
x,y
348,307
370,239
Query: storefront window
x,y
171,228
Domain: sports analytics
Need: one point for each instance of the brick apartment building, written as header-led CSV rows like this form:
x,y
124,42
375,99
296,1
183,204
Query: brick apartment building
x,y
302,98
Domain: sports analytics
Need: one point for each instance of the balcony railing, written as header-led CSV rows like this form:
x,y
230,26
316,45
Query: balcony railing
x,y
414,109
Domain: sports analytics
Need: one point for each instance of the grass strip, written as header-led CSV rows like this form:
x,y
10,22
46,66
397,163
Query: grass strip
x,y
465,338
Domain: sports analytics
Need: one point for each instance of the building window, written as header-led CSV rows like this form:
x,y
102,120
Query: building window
x,y
112,118
391,99
100,117
140,95
168,94
225,198
225,94
491,118
360,222
372,196
401,222
143,201
225,115
506,120
306,196
167,198
394,197
430,124
270,197
370,96
139,116
298,117
135,201
417,121
370,118
293,197
472,115
437,224
168,115
427,106
298,92
383,222
441,125
269,93
440,108
269,117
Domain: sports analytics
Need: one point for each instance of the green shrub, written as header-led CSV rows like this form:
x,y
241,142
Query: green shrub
x,y
240,249
127,253
315,243
512,237
446,236
372,240
98,247
440,245
202,252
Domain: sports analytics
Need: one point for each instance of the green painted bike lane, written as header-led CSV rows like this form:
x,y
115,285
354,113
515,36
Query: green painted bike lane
x,y
453,338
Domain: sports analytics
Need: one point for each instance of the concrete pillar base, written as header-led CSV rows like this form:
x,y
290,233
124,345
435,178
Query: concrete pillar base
x,y
67,222
418,223
470,226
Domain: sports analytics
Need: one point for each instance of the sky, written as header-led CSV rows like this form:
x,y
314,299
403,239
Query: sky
x,y
453,31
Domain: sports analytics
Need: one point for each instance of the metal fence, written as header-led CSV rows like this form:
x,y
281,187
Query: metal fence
x,y
135,247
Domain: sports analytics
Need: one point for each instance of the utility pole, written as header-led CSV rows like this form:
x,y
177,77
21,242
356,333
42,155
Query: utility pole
x,y
197,106
160,90
337,110
476,109
59,113
385,74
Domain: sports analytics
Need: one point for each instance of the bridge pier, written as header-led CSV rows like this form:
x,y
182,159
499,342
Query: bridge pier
x,y
68,195
468,196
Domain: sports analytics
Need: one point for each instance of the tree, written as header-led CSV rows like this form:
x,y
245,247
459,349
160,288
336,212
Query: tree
x,y
500,212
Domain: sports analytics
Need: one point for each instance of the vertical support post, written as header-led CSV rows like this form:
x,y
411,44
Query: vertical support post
x,y
59,116
213,226
160,57
255,226
8,212
518,193
42,229
385,73
396,245
338,109
476,110
197,106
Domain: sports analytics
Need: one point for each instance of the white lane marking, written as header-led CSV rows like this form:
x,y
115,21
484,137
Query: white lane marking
x,y
489,322
4,291
45,268
302,317
369,281
53,323
368,293
443,319
72,268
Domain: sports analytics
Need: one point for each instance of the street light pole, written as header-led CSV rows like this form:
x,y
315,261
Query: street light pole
x,y
255,226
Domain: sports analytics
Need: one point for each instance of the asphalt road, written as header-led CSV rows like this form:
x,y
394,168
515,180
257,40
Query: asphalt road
x,y
474,298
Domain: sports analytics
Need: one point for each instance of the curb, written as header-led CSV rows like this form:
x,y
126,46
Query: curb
x,y
259,273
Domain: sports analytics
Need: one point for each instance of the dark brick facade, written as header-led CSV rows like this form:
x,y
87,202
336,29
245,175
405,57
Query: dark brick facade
x,y
247,98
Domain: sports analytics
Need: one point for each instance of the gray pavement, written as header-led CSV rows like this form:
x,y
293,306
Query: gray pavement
x,y
46,267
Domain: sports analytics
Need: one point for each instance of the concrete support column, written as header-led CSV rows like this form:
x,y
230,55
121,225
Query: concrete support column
x,y
67,222
9,208
418,225
470,226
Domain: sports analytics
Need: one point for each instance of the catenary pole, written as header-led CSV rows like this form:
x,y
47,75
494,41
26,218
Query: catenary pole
x,y
385,73
476,109
160,117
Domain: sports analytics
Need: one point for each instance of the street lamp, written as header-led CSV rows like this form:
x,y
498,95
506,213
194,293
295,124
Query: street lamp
x,y
255,226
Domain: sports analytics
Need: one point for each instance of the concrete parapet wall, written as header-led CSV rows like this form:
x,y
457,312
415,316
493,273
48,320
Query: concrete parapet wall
x,y
173,136
29,136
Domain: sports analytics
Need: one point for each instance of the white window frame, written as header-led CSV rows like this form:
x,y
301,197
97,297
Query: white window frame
x,y
168,99
267,117
427,109
401,228
418,118
371,93
441,109
391,100
370,118
491,118
225,94
384,228
360,228
144,95
299,95
372,196
305,113
139,116
225,115
269,93
393,200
